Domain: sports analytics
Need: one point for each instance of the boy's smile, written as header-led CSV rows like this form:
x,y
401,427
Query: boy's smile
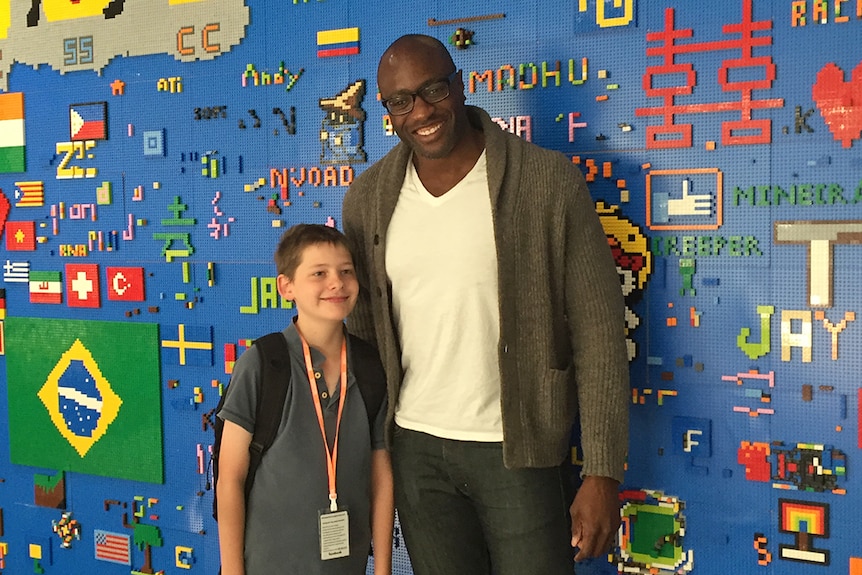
x,y
324,285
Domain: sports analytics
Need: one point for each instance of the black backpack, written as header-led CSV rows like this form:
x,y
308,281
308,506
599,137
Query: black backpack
x,y
275,362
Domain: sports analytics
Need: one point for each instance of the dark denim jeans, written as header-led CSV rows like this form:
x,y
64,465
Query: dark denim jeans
x,y
463,513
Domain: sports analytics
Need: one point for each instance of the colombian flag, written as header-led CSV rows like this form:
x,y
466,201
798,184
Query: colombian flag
x,y
12,133
88,121
341,42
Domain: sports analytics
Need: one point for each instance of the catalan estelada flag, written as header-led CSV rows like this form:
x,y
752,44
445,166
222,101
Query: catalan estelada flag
x,y
341,42
12,133
30,194
88,121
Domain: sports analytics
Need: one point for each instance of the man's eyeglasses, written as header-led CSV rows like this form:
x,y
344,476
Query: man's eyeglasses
x,y
436,91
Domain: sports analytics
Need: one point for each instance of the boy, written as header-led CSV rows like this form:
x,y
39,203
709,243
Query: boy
x,y
295,489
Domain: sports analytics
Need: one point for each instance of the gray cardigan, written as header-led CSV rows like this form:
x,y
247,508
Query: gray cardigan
x,y
562,348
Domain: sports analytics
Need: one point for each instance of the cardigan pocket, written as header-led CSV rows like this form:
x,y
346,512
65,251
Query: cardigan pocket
x,y
560,398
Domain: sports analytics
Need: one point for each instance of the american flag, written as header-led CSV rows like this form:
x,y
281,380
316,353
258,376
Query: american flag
x,y
113,547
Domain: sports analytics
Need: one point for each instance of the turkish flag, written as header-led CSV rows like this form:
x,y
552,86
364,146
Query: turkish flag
x,y
125,284
82,285
21,236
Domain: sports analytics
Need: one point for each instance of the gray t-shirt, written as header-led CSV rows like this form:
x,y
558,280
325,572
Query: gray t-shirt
x,y
291,484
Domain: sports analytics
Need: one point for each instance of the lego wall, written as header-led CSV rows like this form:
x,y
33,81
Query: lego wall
x,y
152,152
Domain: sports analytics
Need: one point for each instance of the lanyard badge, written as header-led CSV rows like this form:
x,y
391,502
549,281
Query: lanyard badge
x,y
333,523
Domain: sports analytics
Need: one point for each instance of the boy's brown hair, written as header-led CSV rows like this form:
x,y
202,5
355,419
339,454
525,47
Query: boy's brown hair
x,y
291,246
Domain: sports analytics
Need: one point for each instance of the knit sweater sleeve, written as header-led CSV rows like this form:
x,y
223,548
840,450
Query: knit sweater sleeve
x,y
595,312
355,215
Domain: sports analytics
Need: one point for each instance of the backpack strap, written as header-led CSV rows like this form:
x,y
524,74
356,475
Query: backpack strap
x,y
370,376
275,380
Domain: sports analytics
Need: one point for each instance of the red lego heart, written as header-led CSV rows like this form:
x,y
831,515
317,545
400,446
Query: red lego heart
x,y
4,211
840,102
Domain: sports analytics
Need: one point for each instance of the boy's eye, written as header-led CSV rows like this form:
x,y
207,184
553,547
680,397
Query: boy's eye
x,y
347,272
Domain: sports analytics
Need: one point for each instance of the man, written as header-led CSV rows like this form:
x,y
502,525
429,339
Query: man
x,y
488,285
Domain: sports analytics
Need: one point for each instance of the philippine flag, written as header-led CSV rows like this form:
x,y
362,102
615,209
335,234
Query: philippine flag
x,y
88,121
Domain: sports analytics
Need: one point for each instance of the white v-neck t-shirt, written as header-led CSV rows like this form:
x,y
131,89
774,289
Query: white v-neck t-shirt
x,y
441,259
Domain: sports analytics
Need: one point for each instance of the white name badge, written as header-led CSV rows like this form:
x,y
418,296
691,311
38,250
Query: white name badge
x,y
334,534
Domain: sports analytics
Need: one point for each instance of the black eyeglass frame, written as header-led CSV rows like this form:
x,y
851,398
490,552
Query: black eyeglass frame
x,y
448,81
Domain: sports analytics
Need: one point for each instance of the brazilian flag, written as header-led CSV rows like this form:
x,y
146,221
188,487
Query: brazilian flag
x,y
84,396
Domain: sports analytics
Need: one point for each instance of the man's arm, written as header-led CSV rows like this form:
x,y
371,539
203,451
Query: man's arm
x,y
595,516
596,315
233,469
360,322
382,511
595,309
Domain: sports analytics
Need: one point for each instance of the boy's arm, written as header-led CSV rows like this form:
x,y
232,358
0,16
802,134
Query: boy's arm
x,y
382,511
233,468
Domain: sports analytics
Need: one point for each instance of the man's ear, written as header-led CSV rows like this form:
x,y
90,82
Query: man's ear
x,y
285,286
462,91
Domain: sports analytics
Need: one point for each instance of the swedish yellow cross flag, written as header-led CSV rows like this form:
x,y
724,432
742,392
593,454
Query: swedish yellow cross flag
x,y
84,396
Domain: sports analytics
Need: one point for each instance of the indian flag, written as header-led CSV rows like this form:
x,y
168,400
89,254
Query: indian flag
x,y
12,133
46,287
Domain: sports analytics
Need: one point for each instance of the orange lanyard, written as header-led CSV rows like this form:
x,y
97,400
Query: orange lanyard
x,y
331,457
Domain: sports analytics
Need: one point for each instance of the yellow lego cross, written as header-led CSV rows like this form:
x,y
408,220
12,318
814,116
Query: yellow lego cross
x,y
182,345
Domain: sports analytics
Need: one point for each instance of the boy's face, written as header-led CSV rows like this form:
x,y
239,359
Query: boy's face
x,y
324,285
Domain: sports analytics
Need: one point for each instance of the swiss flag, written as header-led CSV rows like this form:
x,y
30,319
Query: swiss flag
x,y
82,285
125,284
21,236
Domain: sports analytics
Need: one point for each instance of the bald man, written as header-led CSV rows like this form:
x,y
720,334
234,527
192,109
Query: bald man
x,y
488,285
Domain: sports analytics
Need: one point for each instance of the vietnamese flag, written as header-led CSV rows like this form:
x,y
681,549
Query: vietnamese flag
x,y
21,236
125,283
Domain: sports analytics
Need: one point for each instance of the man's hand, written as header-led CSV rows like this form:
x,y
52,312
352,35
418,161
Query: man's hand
x,y
595,516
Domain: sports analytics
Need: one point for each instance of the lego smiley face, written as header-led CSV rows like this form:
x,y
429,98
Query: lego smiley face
x,y
56,10
5,18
